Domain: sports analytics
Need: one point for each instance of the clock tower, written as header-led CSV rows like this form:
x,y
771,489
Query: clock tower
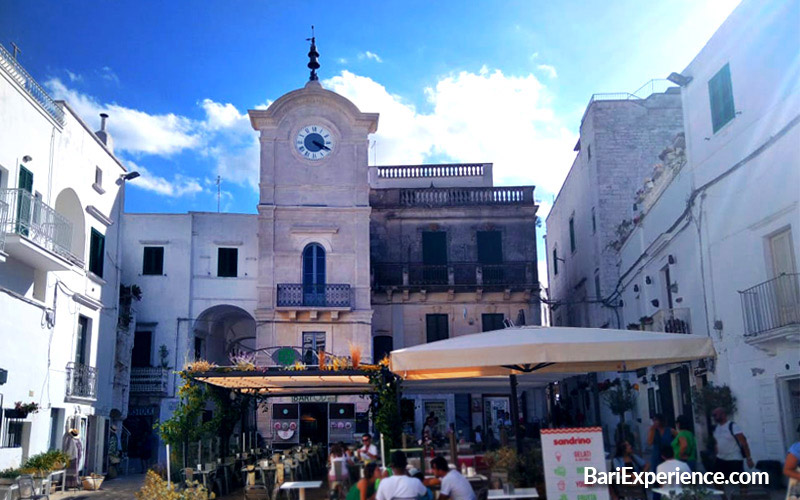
x,y
313,222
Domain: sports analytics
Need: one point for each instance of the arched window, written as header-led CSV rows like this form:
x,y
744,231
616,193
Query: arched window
x,y
314,274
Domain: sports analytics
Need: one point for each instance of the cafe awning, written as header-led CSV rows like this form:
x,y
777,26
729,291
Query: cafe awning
x,y
537,349
310,382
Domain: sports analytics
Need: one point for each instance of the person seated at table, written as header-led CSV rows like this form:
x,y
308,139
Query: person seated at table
x,y
368,451
670,464
624,457
338,473
348,453
454,485
365,488
414,472
399,485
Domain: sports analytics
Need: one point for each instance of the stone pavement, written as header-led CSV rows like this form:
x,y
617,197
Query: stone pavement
x,y
120,488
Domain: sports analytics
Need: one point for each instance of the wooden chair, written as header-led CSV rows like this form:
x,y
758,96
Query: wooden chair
x,y
483,493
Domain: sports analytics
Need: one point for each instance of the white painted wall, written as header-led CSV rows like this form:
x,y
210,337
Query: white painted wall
x,y
64,159
722,248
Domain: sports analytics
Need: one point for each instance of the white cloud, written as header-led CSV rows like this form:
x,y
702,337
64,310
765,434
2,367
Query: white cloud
x,y
74,77
549,70
342,60
370,55
475,117
179,185
106,73
134,131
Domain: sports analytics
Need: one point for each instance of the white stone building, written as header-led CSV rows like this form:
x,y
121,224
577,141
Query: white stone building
x,y
61,193
339,254
716,243
621,136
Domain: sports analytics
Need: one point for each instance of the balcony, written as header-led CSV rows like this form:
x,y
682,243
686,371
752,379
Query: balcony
x,y
147,381
672,321
456,275
35,233
452,197
771,312
81,381
17,73
329,296
3,217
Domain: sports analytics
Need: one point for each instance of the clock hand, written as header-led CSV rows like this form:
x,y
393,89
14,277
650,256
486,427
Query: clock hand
x,y
320,145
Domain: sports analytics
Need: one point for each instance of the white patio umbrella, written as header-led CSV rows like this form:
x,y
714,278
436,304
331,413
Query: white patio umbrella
x,y
542,350
539,349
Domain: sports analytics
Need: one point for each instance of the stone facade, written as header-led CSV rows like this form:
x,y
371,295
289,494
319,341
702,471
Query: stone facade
x,y
620,140
379,287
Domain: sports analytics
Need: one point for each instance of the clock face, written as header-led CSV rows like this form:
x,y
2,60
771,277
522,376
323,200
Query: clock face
x,y
314,142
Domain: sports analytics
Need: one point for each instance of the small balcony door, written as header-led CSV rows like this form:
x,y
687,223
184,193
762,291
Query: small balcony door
x,y
434,257
314,275
24,203
787,295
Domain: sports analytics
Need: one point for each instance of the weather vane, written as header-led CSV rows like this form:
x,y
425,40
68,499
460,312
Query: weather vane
x,y
313,64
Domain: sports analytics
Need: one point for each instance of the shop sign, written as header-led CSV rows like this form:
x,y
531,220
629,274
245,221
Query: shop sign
x,y
314,399
566,452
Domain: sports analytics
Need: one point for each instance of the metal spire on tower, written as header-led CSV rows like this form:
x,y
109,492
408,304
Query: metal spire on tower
x,y
313,64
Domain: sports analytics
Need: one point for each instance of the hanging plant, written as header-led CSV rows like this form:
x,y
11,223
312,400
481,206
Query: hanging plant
x,y
384,409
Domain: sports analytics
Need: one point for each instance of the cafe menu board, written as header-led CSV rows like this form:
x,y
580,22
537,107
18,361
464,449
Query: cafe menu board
x,y
565,453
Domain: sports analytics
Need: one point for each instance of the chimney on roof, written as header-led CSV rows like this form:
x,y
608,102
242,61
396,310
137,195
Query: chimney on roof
x,y
103,135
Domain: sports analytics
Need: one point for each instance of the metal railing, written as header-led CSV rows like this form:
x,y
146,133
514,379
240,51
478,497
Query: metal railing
x,y
30,217
457,274
421,171
3,218
451,197
299,295
772,304
676,320
147,380
81,381
26,81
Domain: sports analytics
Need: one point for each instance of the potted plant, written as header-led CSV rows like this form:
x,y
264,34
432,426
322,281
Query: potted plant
x,y
621,398
22,410
8,476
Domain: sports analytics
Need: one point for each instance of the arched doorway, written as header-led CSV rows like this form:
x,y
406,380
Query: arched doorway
x,y
68,205
222,330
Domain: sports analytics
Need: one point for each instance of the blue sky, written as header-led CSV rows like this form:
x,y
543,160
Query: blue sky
x,y
498,81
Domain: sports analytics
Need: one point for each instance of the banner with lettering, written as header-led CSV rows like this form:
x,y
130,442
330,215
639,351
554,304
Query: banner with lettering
x,y
565,453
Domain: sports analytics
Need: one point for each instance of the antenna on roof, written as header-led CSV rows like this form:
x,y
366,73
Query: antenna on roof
x,y
219,181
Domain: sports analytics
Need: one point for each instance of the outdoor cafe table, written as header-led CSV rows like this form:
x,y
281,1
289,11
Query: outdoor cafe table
x,y
519,493
301,486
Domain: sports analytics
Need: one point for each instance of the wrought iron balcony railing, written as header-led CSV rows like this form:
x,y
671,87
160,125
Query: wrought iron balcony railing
x,y
28,216
3,218
300,295
147,380
81,381
26,81
452,197
771,305
455,274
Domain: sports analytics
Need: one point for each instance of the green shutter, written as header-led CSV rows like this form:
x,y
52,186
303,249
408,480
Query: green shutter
x,y
96,252
720,95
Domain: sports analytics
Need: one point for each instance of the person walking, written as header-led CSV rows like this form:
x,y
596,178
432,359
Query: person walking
x,y
684,445
731,443
660,435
